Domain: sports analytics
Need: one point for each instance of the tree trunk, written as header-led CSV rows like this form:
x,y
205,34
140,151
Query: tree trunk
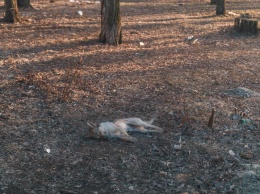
x,y
111,30
11,11
221,7
24,3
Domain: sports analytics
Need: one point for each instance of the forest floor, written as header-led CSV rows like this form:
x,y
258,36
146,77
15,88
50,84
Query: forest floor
x,y
177,62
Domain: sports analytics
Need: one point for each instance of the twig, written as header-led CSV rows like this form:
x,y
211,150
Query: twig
x,y
89,164
63,191
212,118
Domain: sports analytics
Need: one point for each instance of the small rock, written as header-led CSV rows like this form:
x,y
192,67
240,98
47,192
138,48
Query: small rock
x,y
246,155
190,37
80,13
31,87
131,188
177,147
246,146
139,54
231,152
163,173
141,44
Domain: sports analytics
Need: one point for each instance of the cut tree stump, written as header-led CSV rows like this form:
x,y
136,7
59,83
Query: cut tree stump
x,y
245,25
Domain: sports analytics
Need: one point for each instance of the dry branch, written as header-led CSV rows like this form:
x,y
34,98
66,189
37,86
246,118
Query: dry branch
x,y
212,118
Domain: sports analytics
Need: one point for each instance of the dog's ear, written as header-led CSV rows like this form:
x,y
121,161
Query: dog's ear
x,y
93,131
92,125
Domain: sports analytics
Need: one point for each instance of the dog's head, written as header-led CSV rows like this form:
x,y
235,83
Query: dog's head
x,y
93,130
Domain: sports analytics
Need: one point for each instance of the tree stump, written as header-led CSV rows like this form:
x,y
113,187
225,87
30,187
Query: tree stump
x,y
246,25
221,7
111,30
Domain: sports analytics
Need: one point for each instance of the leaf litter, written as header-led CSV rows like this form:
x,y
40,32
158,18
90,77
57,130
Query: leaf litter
x,y
56,77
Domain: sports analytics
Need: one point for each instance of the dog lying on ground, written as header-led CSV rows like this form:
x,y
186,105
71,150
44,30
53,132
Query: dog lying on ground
x,y
120,127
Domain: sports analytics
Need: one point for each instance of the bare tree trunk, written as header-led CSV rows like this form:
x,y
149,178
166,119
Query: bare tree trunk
x,y
24,4
111,30
221,7
11,11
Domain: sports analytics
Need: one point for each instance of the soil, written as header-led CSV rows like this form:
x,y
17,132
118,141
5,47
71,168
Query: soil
x,y
177,62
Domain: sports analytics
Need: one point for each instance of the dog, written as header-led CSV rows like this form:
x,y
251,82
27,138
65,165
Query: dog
x,y
120,127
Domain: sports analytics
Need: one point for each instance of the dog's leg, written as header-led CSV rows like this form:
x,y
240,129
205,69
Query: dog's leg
x,y
144,130
138,122
152,126
125,137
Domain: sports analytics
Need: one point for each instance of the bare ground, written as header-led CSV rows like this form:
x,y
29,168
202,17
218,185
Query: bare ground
x,y
56,76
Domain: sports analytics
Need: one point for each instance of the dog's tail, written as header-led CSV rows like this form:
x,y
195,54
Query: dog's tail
x,y
150,122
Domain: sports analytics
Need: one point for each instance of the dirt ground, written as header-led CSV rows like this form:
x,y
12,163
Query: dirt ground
x,y
177,62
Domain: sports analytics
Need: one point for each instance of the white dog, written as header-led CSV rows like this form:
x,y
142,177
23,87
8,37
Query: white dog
x,y
120,127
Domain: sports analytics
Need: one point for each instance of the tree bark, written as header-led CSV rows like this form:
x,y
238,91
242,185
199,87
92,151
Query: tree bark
x,y
111,29
24,4
11,11
221,7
